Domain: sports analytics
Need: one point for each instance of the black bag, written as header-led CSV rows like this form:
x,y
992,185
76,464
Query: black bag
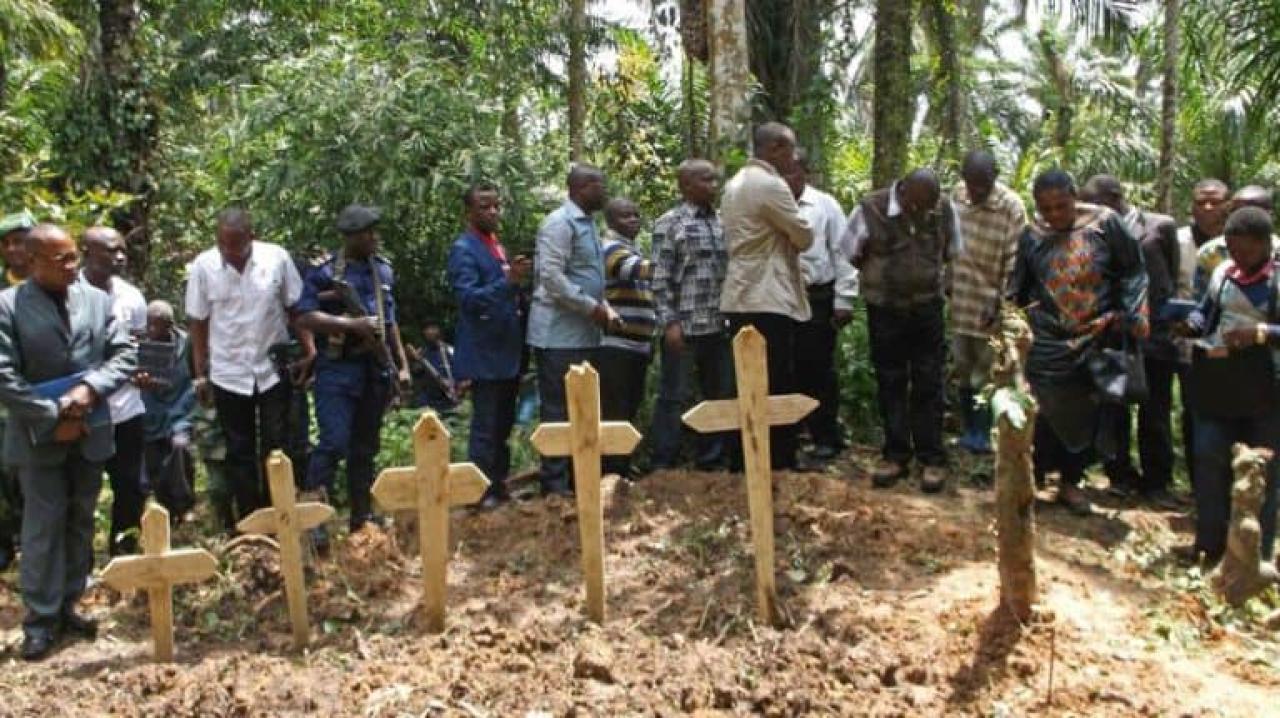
x,y
1119,375
1240,385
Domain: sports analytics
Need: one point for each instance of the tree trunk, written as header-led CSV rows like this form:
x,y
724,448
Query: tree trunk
x,y
693,28
4,80
577,77
1015,415
894,99
730,77
126,108
786,46
948,79
1169,105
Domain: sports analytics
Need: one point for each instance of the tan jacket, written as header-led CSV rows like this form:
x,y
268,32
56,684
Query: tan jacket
x,y
765,234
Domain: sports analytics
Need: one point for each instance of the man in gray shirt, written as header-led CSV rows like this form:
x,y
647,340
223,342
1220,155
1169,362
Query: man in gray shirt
x,y
568,312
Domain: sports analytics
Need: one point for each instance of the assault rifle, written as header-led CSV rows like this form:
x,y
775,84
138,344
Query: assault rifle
x,y
353,306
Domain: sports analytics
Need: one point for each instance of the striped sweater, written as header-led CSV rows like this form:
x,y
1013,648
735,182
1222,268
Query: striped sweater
x,y
627,278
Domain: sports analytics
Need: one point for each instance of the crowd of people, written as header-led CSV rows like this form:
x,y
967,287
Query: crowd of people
x,y
1122,302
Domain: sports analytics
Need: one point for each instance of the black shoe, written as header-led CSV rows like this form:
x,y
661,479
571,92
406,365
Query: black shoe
x,y
38,642
79,624
494,497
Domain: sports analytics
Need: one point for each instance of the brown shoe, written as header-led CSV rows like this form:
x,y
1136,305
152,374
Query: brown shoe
x,y
934,479
1074,498
887,473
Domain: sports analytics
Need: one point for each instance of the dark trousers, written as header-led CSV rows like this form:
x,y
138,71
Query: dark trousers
x,y
128,496
779,333
297,435
10,505
556,472
622,379
1051,455
57,534
708,357
1214,477
254,426
908,353
349,409
1155,432
1155,426
171,475
493,414
815,366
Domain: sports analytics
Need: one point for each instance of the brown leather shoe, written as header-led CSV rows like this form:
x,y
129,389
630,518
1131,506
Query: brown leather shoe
x,y
887,473
934,479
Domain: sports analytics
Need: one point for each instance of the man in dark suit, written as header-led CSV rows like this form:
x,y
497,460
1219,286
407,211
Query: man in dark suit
x,y
55,329
490,336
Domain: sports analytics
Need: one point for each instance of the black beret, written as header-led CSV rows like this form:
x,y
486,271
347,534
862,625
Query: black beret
x,y
357,218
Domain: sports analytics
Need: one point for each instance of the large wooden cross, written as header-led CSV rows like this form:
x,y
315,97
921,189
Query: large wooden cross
x,y
158,570
287,519
431,487
586,439
753,412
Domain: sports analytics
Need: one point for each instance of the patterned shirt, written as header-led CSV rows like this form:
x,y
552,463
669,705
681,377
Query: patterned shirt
x,y
991,231
627,290
690,260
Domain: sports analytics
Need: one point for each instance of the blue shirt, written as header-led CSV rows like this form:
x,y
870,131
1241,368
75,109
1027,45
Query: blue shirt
x,y
568,281
359,275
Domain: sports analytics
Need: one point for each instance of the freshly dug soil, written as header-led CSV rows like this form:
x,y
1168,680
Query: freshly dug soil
x,y
890,599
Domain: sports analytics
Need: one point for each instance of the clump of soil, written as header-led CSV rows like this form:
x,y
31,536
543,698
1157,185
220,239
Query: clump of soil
x,y
890,599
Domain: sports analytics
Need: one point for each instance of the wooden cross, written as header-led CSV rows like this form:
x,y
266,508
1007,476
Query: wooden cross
x,y
287,519
753,412
158,570
432,486
586,439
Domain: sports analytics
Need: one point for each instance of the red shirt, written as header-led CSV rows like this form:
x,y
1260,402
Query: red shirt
x,y
493,245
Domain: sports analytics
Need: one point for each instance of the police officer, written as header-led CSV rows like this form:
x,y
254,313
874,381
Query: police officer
x,y
347,302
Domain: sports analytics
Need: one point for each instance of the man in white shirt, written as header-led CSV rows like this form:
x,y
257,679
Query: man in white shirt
x,y
104,261
832,284
240,299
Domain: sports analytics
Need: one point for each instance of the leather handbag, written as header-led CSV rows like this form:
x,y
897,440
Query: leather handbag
x,y
1120,375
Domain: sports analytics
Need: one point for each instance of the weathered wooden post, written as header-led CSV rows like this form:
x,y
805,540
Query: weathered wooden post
x,y
1014,410
157,571
431,487
287,519
753,412
586,439
1242,574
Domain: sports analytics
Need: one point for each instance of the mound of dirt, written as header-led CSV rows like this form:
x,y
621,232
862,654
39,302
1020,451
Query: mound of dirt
x,y
890,599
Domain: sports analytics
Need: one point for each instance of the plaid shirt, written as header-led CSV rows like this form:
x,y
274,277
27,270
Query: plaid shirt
x,y
690,259
991,231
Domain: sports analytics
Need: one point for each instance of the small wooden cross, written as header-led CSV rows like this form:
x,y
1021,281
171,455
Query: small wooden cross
x,y
754,411
432,486
586,439
158,570
287,519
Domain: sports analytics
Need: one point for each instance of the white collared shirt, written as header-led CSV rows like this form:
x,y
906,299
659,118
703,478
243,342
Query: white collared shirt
x,y
247,313
130,309
825,260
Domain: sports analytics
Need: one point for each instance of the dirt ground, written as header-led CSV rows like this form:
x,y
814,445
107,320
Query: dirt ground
x,y
890,597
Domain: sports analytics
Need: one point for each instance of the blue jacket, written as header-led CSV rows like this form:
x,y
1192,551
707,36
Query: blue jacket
x,y
490,335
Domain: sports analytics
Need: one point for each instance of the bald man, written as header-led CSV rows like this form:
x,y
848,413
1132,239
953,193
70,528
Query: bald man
x,y
62,353
903,239
104,261
569,311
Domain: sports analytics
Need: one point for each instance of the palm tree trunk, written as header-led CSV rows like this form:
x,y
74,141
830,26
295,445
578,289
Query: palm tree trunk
x,y
126,107
894,101
949,79
730,76
1169,105
577,77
